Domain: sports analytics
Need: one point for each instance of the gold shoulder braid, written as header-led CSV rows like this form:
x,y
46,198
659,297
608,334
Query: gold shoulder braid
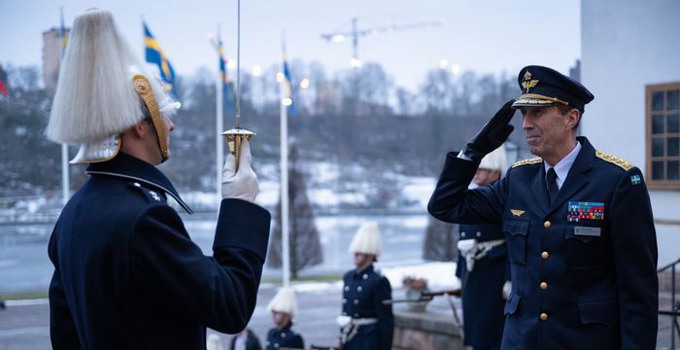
x,y
143,88
527,161
624,164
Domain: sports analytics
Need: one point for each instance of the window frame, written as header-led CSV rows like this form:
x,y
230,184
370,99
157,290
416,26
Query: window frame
x,y
660,184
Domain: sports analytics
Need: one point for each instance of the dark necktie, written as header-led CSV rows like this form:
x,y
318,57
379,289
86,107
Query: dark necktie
x,y
551,178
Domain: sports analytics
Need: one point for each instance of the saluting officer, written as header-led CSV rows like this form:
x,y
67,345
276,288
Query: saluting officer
x,y
283,308
126,273
366,323
483,269
578,225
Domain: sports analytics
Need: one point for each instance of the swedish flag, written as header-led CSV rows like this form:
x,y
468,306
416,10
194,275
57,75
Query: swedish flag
x,y
292,111
155,55
227,92
63,34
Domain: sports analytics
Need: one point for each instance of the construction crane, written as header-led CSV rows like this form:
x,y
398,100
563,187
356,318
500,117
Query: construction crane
x,y
355,33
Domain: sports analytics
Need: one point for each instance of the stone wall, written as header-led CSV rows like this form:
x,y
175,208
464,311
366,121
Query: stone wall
x,y
424,331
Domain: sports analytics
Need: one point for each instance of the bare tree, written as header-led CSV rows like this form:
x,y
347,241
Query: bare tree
x,y
304,244
376,89
440,241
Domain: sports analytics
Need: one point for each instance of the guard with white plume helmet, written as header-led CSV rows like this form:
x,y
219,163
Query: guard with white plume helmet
x,y
125,269
283,308
496,160
103,90
284,301
491,168
366,321
367,240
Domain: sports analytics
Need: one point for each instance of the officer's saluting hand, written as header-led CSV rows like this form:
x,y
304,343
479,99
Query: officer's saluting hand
x,y
492,135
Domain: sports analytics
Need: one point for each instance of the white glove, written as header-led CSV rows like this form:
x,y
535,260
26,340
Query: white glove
x,y
242,184
507,288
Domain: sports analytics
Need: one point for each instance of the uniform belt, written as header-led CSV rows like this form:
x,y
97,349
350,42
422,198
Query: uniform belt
x,y
364,321
473,250
349,326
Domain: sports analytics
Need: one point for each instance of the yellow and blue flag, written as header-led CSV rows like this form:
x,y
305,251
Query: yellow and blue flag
x,y
63,34
227,91
292,111
156,55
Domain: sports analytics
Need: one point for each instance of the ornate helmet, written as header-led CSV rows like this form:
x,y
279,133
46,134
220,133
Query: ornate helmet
x,y
367,240
103,90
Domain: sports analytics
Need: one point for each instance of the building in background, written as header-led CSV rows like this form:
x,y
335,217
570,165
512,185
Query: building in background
x,y
51,54
629,60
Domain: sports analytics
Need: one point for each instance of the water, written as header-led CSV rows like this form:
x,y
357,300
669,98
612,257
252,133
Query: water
x,y
25,267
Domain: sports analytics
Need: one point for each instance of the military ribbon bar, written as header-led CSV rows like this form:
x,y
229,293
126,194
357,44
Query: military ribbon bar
x,y
585,211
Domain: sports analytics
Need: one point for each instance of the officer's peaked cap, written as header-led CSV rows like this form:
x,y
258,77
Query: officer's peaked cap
x,y
543,86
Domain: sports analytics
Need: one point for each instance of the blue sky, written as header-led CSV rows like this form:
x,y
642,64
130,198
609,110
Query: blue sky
x,y
485,36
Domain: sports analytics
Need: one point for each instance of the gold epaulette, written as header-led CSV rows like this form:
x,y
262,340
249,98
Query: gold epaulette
x,y
527,161
624,164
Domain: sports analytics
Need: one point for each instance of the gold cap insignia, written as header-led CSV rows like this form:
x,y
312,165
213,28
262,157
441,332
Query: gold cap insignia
x,y
517,213
528,83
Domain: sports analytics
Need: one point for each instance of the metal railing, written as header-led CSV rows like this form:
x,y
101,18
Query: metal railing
x,y
674,312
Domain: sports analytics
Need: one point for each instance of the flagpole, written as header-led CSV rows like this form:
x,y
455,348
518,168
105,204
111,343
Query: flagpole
x,y
285,251
219,114
285,202
65,179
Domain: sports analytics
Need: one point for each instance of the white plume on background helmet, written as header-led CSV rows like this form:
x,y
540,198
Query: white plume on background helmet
x,y
284,301
496,160
367,239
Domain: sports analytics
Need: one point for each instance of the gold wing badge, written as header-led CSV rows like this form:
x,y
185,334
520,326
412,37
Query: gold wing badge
x,y
528,83
517,213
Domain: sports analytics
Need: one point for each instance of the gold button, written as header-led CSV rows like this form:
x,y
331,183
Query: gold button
x,y
543,285
547,224
544,316
545,255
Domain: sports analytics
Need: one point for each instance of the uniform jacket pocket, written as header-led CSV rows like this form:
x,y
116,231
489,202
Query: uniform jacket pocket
x,y
586,248
516,232
603,312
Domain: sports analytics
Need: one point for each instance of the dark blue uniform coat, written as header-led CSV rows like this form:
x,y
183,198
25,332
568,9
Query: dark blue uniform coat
x,y
587,284
284,338
252,342
127,275
362,297
482,287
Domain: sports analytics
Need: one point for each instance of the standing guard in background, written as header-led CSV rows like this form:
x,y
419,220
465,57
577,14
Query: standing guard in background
x,y
283,308
483,268
366,322
126,273
578,225
245,340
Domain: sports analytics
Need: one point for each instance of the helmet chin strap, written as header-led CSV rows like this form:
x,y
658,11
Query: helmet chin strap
x,y
143,88
164,155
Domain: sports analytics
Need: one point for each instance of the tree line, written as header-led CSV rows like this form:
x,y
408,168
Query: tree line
x,y
349,117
